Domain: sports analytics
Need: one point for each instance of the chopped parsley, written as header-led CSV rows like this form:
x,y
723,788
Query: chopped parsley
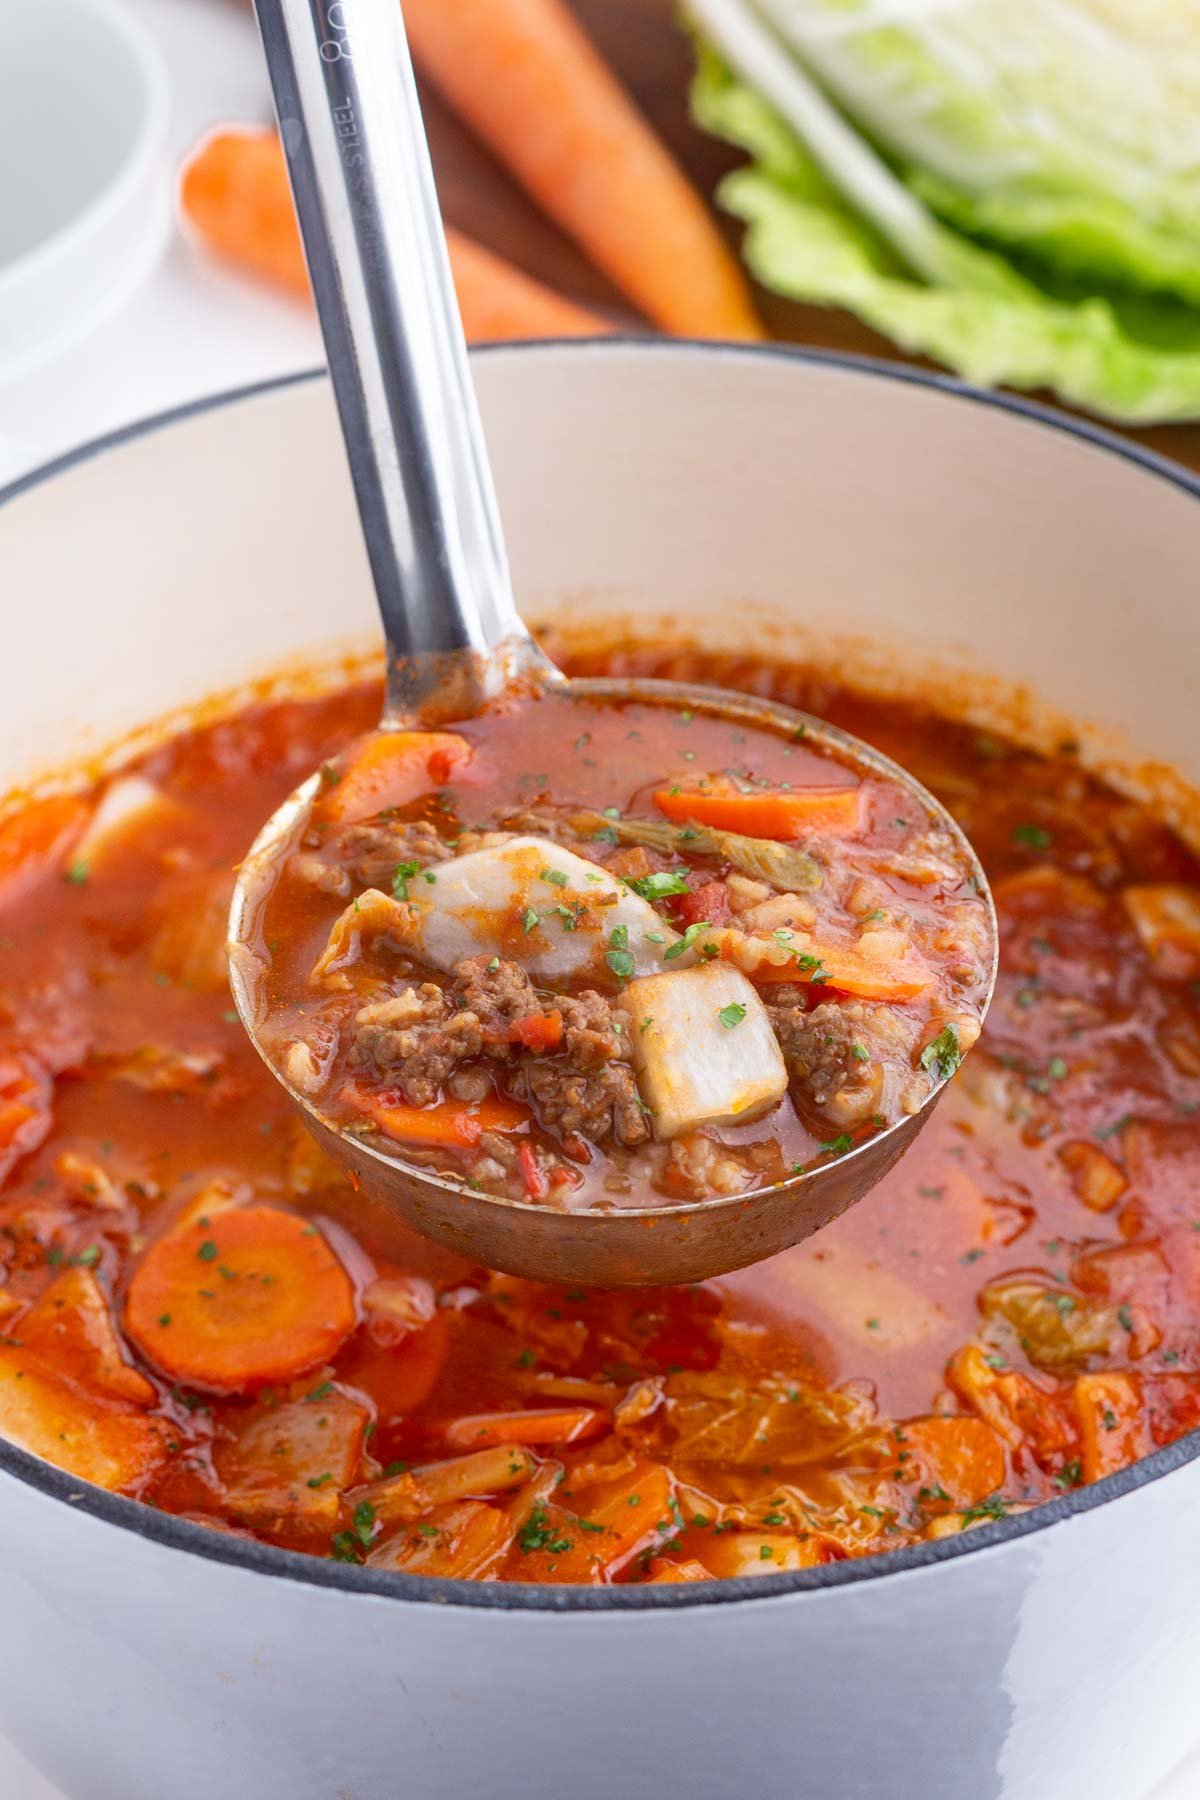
x,y
732,1015
943,1055
659,885
687,940
1032,837
403,874
620,957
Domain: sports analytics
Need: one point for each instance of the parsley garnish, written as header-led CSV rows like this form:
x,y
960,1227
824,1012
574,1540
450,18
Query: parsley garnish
x,y
732,1015
659,885
403,875
687,940
943,1055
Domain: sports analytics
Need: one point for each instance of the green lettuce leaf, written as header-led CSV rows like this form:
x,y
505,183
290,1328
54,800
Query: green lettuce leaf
x,y
829,221
1066,130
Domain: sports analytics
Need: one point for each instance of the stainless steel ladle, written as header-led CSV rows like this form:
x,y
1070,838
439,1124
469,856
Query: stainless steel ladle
x,y
363,186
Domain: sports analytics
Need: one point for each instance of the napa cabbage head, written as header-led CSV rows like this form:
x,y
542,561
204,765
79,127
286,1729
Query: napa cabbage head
x,y
948,256
1066,129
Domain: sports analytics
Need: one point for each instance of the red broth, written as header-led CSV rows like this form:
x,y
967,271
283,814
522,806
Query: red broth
x,y
197,1312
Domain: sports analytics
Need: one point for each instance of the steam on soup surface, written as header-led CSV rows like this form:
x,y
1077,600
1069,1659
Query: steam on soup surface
x,y
197,1312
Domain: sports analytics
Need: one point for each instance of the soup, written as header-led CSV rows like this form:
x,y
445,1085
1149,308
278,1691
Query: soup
x,y
582,953
199,1313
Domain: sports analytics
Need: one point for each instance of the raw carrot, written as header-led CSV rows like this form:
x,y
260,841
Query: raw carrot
x,y
529,81
451,1122
499,302
782,815
234,191
231,1303
549,1425
390,768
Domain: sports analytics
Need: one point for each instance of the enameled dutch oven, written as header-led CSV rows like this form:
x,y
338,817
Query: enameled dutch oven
x,y
1026,570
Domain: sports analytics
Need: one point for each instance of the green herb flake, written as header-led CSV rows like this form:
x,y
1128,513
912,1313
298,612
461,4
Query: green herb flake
x,y
732,1015
403,874
942,1057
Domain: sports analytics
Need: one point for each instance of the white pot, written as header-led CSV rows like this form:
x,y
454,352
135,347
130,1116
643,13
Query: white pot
x,y
1053,1654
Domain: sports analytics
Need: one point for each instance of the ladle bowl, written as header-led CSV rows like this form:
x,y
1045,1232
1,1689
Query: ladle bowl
x,y
629,1246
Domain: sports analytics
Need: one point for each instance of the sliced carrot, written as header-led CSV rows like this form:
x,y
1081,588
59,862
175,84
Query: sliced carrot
x,y
454,1123
231,1303
662,1572
957,1453
390,768
528,80
845,971
33,839
1113,1428
782,815
235,192
549,1425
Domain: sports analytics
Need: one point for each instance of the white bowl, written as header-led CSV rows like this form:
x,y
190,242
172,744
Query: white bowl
x,y
86,203
1056,1653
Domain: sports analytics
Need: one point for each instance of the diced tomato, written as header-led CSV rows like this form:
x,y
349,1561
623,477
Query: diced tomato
x,y
708,904
531,1172
537,1031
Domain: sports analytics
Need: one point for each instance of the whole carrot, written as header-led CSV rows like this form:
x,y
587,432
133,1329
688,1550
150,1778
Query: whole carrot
x,y
530,82
234,191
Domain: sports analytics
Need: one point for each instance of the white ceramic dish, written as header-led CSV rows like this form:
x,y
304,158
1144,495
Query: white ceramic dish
x,y
83,110
1052,1654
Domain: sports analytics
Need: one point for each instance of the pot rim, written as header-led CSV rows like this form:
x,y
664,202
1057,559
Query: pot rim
x,y
506,1597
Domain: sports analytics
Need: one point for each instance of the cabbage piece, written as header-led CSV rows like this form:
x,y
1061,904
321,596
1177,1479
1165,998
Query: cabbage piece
x,y
830,221
704,1049
557,914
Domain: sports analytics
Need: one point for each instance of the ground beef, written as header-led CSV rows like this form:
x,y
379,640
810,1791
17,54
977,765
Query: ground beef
x,y
598,1104
819,1048
591,1032
371,852
415,1040
496,992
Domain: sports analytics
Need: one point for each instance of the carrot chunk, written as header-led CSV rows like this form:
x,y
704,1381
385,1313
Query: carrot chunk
x,y
959,1454
553,1425
454,1123
1113,1428
34,839
231,1303
390,768
765,815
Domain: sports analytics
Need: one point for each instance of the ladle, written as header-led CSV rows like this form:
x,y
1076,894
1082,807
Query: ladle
x,y
363,185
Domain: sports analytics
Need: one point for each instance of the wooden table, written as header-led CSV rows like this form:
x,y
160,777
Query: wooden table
x,y
644,44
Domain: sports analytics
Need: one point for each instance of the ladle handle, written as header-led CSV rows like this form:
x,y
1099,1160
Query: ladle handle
x,y
363,186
